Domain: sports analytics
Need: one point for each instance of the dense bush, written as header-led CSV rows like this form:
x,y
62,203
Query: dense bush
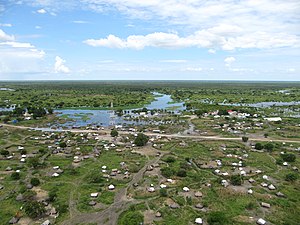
x,y
163,192
288,157
269,146
245,139
170,159
34,209
141,139
114,133
291,177
131,218
35,181
167,172
15,176
236,180
259,146
181,173
4,152
217,218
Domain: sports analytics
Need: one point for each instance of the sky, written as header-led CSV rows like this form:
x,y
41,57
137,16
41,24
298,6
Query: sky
x,y
150,40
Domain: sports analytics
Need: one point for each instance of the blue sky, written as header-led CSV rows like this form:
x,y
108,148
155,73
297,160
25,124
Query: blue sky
x,y
150,40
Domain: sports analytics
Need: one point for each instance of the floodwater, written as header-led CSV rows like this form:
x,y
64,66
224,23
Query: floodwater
x,y
80,117
263,104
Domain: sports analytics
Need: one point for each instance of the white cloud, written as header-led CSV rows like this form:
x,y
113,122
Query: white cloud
x,y
59,66
19,57
5,25
291,70
192,69
38,27
41,11
216,24
211,51
174,61
80,21
6,37
216,37
229,60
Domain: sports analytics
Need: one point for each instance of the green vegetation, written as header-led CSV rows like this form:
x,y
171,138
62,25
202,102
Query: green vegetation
x,y
141,139
114,133
170,170
34,209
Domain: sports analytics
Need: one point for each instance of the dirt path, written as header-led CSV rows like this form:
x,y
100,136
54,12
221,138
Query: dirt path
x,y
198,137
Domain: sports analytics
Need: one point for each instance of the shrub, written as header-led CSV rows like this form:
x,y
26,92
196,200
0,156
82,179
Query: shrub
x,y
236,180
95,177
52,195
33,162
288,157
35,181
132,218
181,173
29,195
167,172
291,177
34,209
62,144
269,146
163,192
62,208
15,176
114,133
259,146
217,218
4,152
170,159
141,139
245,139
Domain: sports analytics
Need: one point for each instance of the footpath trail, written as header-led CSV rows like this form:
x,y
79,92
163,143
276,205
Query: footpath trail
x,y
188,136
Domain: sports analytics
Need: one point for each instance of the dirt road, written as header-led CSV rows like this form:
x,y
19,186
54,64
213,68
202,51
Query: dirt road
x,y
188,136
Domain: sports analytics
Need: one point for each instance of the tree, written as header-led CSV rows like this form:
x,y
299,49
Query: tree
x,y
163,192
34,209
167,172
291,177
50,111
181,173
170,159
52,195
245,139
114,133
15,176
269,146
62,144
35,181
141,139
288,157
236,180
33,162
259,146
4,152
